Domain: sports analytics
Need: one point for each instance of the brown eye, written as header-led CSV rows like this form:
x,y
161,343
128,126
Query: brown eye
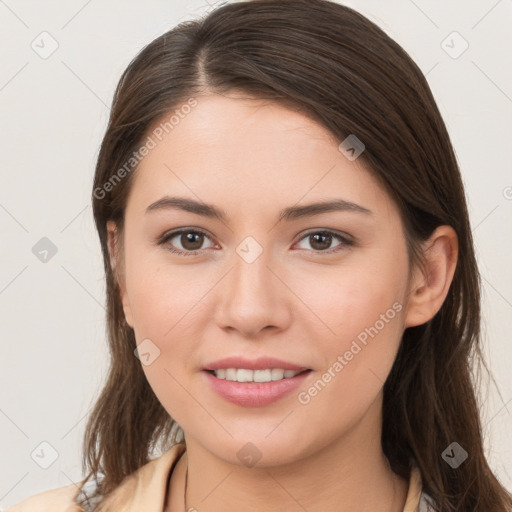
x,y
185,241
321,241
191,241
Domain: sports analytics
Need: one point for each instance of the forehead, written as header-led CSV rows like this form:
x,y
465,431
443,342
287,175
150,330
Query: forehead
x,y
230,147
236,121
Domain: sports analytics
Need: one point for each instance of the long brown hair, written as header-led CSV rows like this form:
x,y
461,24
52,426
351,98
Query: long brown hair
x,y
335,65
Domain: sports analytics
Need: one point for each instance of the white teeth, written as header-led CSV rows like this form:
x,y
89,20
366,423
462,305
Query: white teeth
x,y
221,374
244,375
231,374
277,374
262,375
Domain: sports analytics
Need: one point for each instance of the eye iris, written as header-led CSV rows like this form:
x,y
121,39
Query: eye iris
x,y
191,237
325,236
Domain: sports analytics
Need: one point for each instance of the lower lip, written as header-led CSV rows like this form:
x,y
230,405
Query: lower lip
x,y
255,394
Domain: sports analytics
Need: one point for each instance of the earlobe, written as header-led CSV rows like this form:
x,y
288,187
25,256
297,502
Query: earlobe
x,y
114,254
430,284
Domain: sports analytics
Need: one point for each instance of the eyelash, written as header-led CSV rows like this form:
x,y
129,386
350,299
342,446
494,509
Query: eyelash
x,y
345,241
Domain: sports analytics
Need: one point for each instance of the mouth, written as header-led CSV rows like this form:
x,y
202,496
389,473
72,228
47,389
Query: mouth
x,y
255,388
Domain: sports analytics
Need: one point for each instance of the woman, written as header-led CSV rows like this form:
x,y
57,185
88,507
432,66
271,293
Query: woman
x,y
292,292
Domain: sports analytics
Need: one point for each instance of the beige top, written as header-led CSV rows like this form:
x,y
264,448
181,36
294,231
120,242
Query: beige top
x,y
145,490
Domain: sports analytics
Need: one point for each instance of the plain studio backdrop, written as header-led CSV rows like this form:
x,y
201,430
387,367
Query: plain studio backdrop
x,y
60,63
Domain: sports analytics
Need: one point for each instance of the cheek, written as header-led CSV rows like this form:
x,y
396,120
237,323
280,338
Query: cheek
x,y
362,323
351,299
163,297
166,306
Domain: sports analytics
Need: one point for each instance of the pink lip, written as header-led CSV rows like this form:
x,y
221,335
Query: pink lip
x,y
262,363
254,394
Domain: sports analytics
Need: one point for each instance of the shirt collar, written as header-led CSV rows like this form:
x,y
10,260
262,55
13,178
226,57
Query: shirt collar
x,y
146,488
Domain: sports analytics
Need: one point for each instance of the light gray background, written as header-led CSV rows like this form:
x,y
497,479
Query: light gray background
x,y
53,115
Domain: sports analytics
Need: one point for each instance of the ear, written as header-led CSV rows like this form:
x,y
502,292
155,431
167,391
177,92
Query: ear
x,y
429,285
117,266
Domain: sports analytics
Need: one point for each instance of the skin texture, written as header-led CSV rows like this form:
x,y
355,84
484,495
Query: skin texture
x,y
295,302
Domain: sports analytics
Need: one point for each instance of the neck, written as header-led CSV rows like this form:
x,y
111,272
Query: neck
x,y
350,473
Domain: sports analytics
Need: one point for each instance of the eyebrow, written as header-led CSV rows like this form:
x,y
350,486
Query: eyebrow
x,y
290,213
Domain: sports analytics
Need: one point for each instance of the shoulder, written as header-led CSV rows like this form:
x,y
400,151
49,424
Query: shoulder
x,y
144,489
60,499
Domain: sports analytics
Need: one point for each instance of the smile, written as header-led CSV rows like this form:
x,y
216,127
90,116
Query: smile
x,y
251,392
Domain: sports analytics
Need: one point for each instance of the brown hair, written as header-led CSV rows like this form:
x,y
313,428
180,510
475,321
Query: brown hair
x,y
332,63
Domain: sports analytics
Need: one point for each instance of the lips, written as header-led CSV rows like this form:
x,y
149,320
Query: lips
x,y
261,363
255,394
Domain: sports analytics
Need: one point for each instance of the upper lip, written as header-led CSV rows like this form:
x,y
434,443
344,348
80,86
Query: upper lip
x,y
262,363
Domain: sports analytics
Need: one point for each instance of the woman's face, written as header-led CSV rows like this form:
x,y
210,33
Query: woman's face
x,y
263,284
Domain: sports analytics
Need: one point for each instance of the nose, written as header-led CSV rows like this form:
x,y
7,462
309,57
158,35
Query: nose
x,y
252,297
